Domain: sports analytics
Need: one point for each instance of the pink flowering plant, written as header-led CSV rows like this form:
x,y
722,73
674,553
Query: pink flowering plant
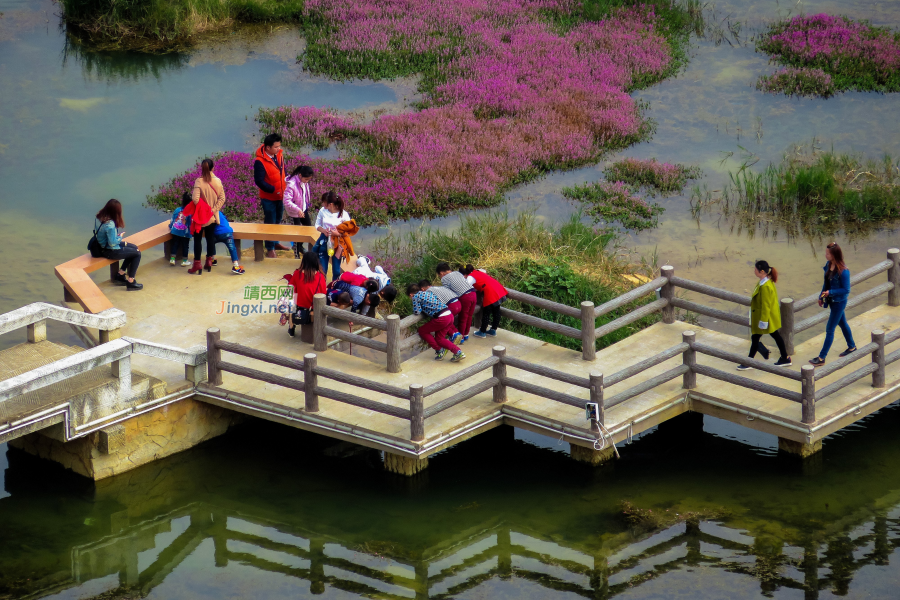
x,y
652,175
511,89
831,53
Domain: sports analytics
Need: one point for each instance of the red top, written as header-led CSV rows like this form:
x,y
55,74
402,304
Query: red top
x,y
304,290
274,174
354,278
200,213
492,289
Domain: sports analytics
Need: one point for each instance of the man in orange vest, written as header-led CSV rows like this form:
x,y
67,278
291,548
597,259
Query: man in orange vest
x,y
268,174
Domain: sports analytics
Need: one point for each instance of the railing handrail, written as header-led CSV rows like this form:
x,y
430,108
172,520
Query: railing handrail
x,y
115,351
30,314
357,318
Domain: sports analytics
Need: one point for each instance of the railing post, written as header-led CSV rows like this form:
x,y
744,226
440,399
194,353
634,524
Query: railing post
x,y
195,373
121,370
37,332
416,412
689,359
808,393
310,383
320,343
393,343
110,335
596,380
588,339
894,277
500,373
878,358
787,324
668,292
213,356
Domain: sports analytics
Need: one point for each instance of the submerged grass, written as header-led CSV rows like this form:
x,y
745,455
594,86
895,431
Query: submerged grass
x,y
813,193
567,263
613,202
664,178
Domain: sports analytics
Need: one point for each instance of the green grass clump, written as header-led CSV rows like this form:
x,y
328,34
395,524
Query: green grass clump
x,y
614,203
166,23
654,176
816,192
567,263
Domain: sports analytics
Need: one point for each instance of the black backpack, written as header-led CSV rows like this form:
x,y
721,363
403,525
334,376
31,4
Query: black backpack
x,y
94,246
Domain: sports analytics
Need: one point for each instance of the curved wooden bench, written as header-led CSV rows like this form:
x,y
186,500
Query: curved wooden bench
x,y
80,288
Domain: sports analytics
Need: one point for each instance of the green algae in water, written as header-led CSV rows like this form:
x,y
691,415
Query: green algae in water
x,y
265,507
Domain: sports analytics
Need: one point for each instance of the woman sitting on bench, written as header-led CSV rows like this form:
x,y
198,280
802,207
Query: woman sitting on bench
x,y
113,248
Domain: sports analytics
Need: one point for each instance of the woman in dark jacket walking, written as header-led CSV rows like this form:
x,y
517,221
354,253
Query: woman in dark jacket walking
x,y
835,290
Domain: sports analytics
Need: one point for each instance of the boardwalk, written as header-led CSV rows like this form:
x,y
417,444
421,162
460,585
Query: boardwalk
x,y
185,323
227,326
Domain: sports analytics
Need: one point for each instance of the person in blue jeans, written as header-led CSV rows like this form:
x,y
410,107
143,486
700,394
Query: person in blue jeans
x,y
330,216
835,290
268,175
224,234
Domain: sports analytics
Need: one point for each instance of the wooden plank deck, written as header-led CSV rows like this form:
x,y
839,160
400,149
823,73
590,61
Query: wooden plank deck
x,y
177,310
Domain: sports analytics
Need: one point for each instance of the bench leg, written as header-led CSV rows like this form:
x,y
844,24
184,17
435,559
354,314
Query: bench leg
x,y
113,271
259,250
167,249
68,296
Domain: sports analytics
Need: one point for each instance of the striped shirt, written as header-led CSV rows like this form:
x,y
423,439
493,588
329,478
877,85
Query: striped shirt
x,y
445,295
456,282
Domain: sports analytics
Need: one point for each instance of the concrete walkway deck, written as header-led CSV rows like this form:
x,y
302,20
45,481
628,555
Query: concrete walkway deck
x,y
177,309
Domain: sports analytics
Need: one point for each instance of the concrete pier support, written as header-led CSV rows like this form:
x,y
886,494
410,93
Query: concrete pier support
x,y
591,456
404,465
131,443
801,449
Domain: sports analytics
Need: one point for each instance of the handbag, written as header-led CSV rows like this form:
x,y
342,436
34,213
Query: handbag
x,y
303,316
94,246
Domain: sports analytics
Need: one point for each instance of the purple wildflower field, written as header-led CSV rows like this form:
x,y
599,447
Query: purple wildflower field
x,y
508,97
852,55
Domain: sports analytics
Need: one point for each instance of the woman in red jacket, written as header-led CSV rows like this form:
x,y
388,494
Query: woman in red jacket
x,y
494,295
307,281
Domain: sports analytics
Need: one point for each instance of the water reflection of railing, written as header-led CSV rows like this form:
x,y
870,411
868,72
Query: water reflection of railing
x,y
144,555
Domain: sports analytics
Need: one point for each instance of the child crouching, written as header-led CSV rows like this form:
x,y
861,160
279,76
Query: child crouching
x,y
435,331
180,227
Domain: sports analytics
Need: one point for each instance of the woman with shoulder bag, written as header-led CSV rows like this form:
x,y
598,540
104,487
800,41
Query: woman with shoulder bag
x,y
112,247
209,191
307,281
835,290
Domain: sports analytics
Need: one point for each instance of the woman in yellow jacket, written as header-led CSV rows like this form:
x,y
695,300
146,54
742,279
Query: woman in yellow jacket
x,y
765,315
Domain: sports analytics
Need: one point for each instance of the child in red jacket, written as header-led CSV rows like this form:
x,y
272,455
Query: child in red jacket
x,y
494,295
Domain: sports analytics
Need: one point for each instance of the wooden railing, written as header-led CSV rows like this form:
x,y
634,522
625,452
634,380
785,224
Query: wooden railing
x,y
499,380
667,302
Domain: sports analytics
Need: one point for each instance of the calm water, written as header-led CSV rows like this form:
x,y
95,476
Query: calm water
x,y
269,512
